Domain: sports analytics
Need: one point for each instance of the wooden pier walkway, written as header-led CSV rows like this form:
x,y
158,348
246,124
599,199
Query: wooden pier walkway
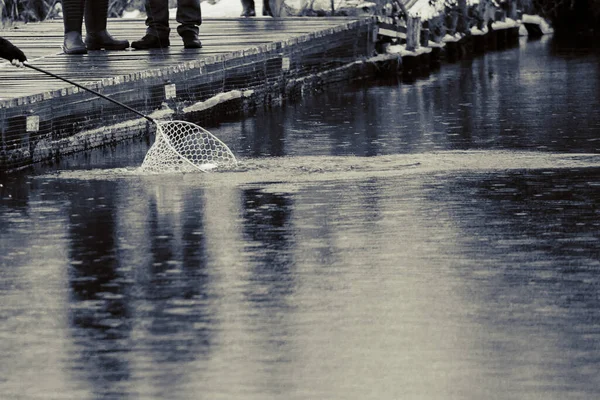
x,y
42,43
42,118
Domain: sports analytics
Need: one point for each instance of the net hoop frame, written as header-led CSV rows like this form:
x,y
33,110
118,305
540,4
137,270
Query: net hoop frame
x,y
165,138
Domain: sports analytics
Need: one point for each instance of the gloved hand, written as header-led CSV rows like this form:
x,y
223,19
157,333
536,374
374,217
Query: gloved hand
x,y
11,52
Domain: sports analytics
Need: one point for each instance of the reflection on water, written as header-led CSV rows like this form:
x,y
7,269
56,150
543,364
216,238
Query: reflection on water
x,y
413,273
528,98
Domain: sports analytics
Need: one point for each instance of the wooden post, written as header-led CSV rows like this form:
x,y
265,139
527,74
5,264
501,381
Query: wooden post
x,y
437,29
424,34
462,25
413,33
512,9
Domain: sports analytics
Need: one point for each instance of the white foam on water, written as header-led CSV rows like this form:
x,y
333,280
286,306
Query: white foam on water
x,y
327,168
207,167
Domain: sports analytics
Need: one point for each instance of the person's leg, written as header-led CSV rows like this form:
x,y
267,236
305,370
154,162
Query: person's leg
x,y
97,37
248,8
158,18
267,8
73,15
189,17
157,22
73,20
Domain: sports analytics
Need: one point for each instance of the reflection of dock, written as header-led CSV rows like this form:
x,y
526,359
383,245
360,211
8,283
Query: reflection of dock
x,y
244,63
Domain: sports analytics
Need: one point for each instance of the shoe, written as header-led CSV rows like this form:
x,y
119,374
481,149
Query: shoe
x,y
73,44
151,42
103,40
191,41
248,13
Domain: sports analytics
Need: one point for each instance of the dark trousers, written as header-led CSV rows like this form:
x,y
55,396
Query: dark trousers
x,y
249,5
188,16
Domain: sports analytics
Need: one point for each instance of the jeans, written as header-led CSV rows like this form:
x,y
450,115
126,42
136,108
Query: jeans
x,y
188,15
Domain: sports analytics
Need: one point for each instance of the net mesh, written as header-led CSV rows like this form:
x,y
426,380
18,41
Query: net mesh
x,y
181,146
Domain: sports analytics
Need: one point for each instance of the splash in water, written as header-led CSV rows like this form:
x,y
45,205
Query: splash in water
x,y
326,168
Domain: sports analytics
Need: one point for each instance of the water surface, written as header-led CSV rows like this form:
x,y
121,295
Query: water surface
x,y
438,240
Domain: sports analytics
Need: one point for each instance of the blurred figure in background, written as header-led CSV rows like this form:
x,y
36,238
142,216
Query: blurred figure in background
x,y
157,34
97,37
12,53
249,10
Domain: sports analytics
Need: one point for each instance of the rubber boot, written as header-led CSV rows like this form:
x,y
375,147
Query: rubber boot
x,y
97,37
248,8
267,8
73,20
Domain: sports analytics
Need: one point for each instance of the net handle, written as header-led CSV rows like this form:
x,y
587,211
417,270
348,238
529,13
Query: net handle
x,y
28,65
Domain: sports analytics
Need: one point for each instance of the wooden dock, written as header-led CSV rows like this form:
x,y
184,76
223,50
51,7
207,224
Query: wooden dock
x,y
42,118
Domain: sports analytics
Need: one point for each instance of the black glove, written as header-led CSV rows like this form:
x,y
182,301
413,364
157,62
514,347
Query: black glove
x,y
11,52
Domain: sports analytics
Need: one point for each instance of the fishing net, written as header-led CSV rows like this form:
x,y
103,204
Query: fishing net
x,y
181,146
